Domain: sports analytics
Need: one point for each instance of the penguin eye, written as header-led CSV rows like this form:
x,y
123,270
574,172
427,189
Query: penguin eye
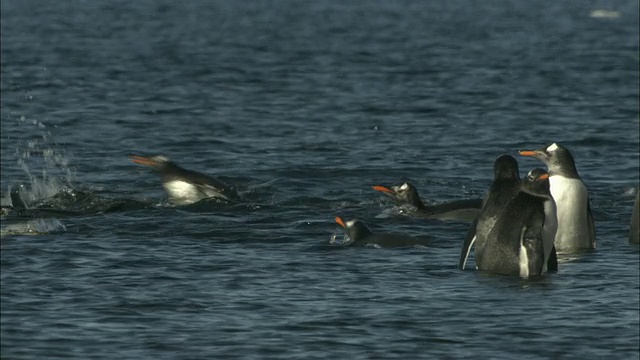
x,y
404,186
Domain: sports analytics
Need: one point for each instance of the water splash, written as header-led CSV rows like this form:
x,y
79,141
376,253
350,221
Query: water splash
x,y
44,163
340,238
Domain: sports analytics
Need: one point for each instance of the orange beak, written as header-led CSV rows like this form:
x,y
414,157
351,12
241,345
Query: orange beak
x,y
544,176
142,160
527,153
340,222
382,189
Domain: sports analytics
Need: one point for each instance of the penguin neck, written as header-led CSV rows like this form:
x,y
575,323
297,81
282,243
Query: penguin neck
x,y
567,169
360,233
504,183
171,172
544,195
417,202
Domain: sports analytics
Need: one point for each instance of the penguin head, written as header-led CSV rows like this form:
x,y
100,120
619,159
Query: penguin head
x,y
557,157
356,229
537,183
402,194
158,162
506,167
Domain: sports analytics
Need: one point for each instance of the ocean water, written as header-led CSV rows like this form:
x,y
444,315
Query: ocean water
x,y
303,106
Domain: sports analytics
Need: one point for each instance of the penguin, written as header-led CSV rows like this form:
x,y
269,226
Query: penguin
x,y
634,231
17,205
407,195
505,185
521,241
361,235
576,228
185,186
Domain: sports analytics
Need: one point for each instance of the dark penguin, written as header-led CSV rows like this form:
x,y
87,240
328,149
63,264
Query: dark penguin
x,y
16,198
360,235
576,229
185,186
406,194
17,206
634,231
505,185
521,241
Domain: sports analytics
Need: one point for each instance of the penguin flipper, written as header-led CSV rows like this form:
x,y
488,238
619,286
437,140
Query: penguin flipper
x,y
469,240
531,243
552,263
214,191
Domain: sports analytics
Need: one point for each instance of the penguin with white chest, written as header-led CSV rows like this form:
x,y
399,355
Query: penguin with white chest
x,y
185,186
576,229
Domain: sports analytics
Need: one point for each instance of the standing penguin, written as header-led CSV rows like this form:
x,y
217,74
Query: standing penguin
x,y
576,229
505,185
521,239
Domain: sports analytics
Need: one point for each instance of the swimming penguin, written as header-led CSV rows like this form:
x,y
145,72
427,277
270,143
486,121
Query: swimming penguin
x,y
406,194
185,186
16,198
521,241
505,185
634,231
361,235
576,229
17,205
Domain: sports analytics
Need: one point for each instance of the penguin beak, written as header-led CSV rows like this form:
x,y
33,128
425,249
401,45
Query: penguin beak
x,y
143,160
528,153
538,154
383,189
340,222
544,176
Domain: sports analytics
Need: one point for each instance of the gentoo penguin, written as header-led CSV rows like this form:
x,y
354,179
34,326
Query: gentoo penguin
x,y
360,235
16,198
406,194
576,229
185,186
634,231
519,243
505,185
17,205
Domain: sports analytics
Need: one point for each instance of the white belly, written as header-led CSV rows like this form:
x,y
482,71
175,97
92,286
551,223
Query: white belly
x,y
182,192
523,259
571,200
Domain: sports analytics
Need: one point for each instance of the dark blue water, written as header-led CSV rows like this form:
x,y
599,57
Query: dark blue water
x,y
303,106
